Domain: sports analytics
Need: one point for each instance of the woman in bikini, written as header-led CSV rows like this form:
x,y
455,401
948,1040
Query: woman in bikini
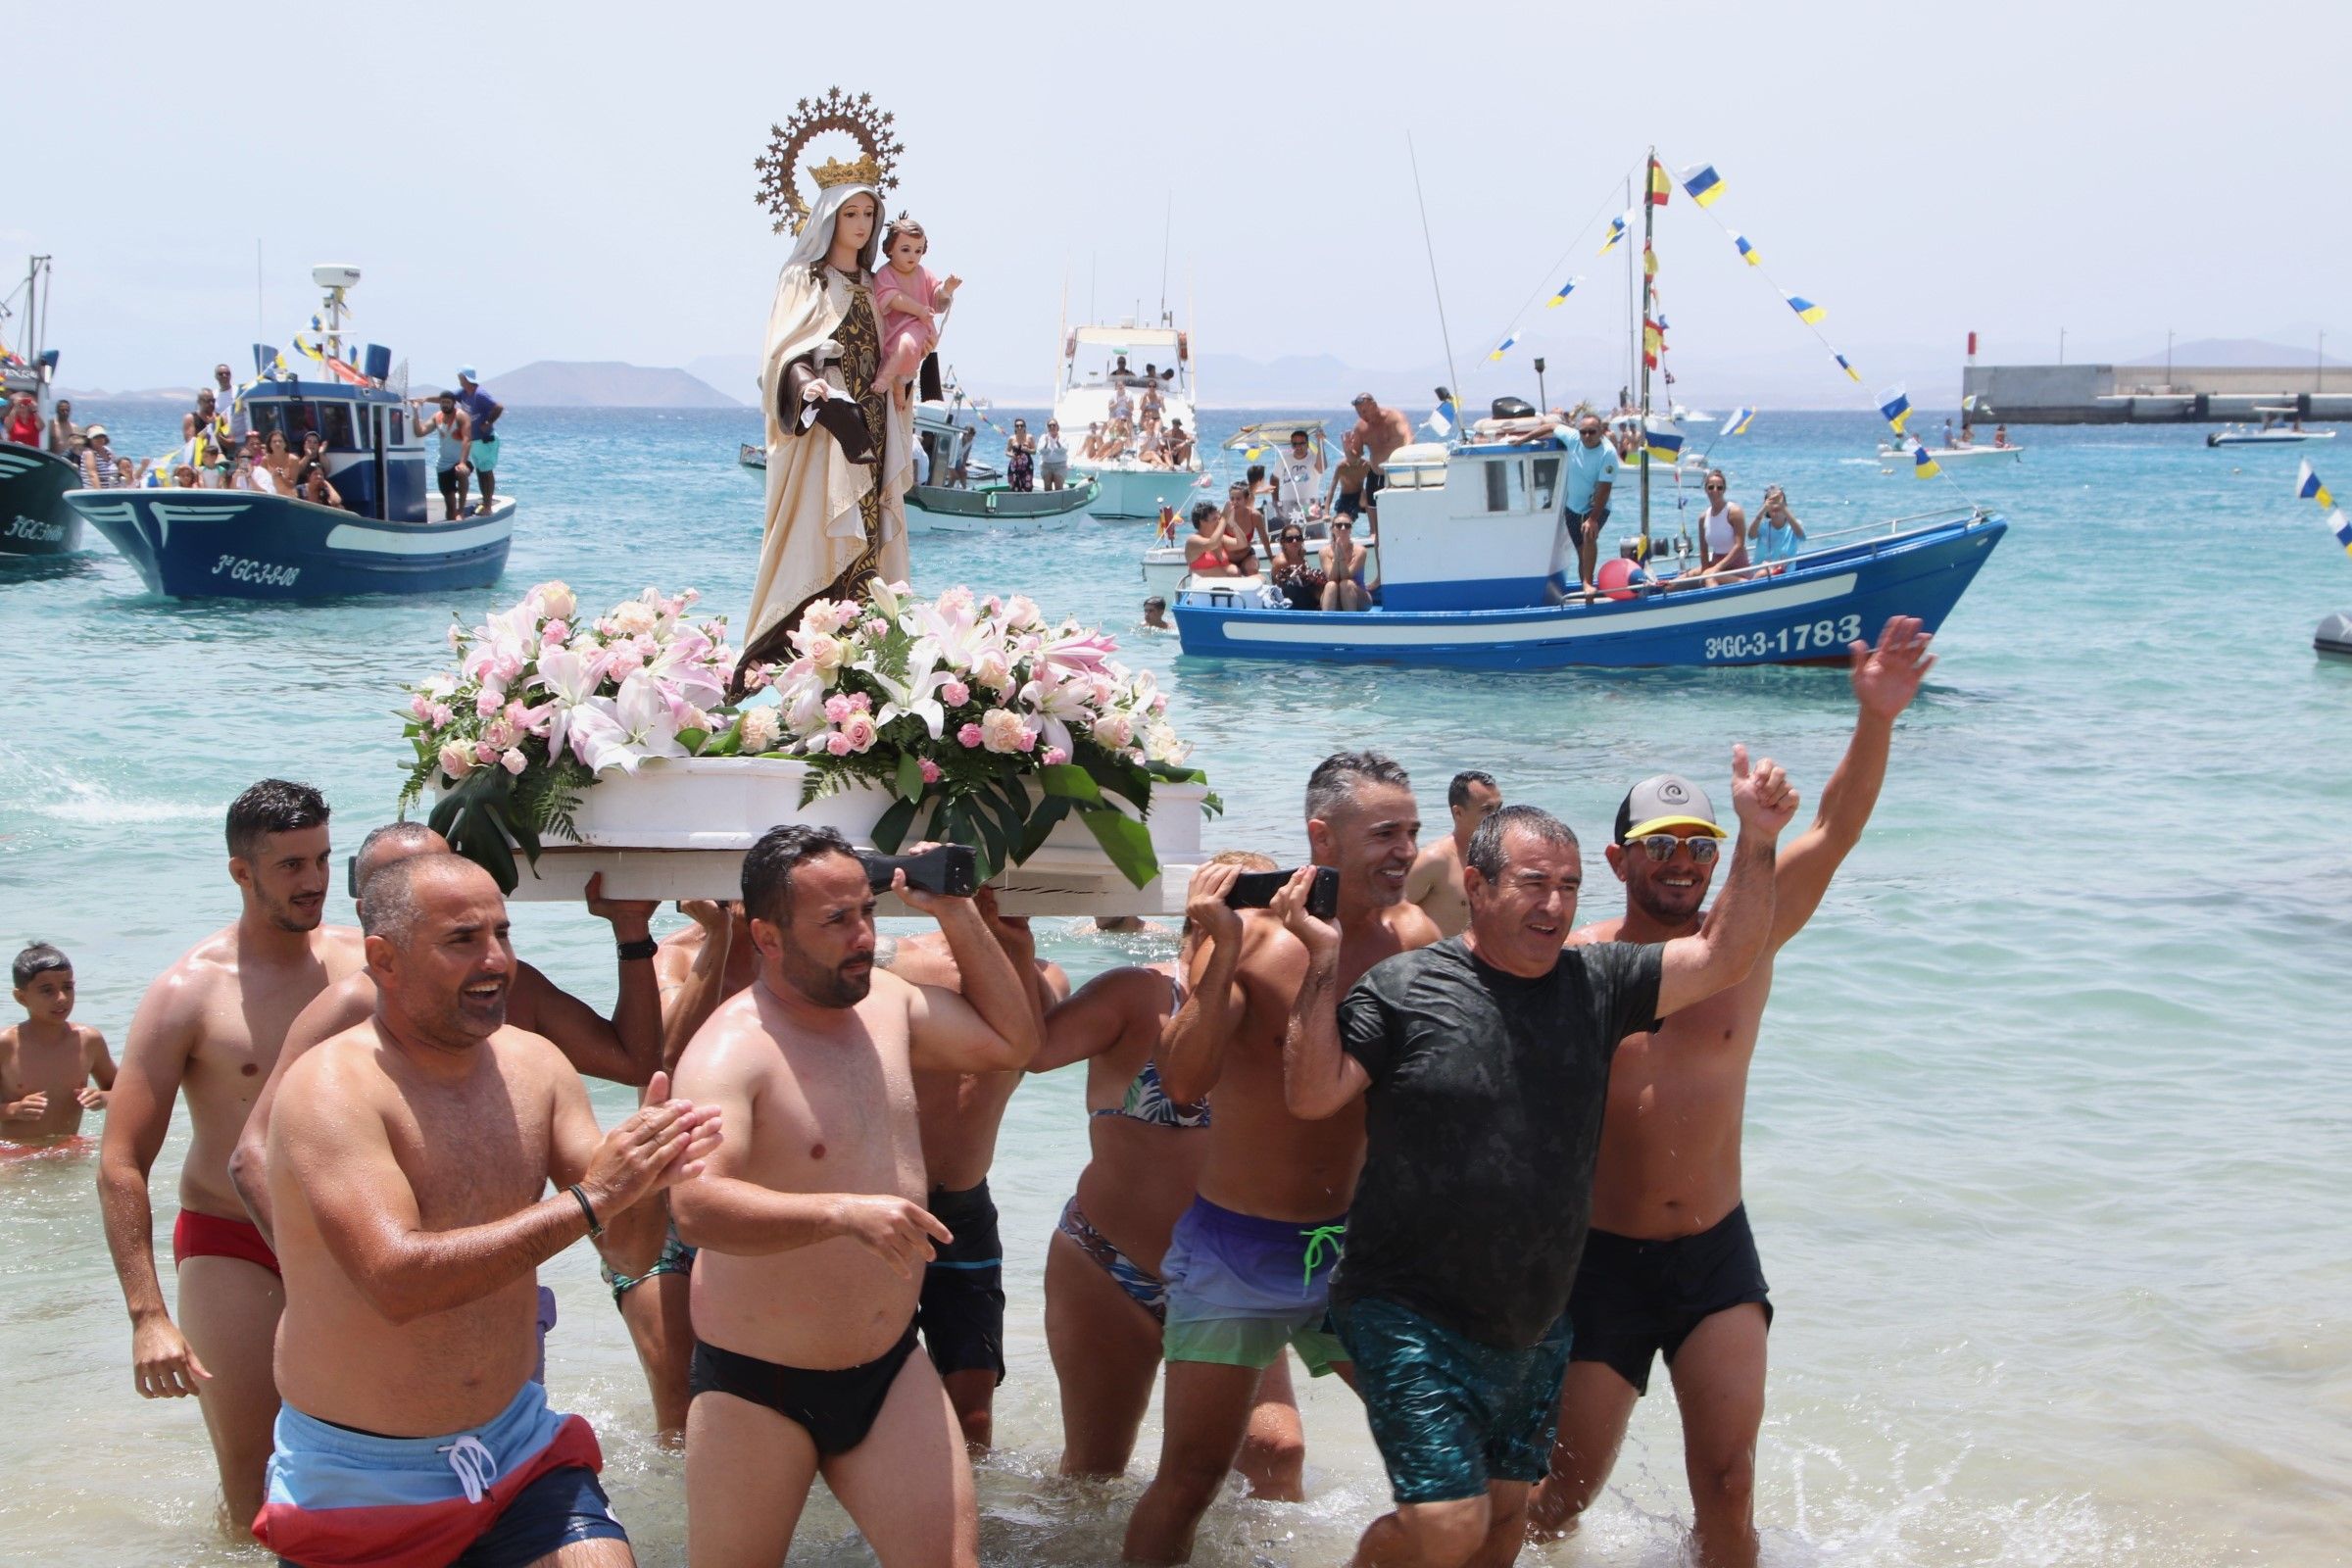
x,y
1105,1299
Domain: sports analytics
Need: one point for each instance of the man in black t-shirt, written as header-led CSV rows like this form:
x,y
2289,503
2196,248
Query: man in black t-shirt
x,y
1484,1065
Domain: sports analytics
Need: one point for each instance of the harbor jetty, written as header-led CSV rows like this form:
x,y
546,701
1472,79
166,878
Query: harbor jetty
x,y
2159,394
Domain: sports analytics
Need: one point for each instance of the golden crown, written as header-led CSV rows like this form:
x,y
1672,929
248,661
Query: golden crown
x,y
836,111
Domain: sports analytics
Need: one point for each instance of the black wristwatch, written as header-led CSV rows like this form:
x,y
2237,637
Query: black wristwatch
x,y
642,947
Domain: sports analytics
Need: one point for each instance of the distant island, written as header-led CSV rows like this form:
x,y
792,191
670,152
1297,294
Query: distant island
x,y
605,384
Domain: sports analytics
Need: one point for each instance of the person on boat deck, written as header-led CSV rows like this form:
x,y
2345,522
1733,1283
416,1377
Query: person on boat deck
x,y
1179,445
281,463
486,412
101,470
1344,567
1122,406
452,429
64,436
1723,531
1301,580
1243,510
1947,432
310,475
1968,433
1052,458
1295,475
1592,475
2001,432
1215,543
1776,534
212,429
1345,491
1020,458
1151,448
1152,404
1120,374
224,397
25,422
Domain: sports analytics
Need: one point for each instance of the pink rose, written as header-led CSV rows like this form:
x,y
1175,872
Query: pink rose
x,y
422,708
930,768
859,733
875,628
954,693
1056,756
500,734
457,760
838,743
513,761
968,736
484,752
1002,730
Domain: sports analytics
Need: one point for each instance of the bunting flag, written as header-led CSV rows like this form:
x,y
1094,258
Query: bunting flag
x,y
1664,446
1438,424
306,348
1619,227
1806,311
1649,261
1737,421
1660,184
1653,343
1503,347
1566,289
1747,251
1973,404
1894,407
1923,466
1703,184
2309,488
1852,373
2341,526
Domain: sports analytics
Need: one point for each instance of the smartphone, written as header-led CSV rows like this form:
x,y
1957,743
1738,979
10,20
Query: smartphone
x,y
1255,890
952,869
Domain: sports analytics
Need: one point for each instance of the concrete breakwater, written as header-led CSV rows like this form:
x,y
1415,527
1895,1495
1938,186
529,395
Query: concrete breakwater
x,y
2139,394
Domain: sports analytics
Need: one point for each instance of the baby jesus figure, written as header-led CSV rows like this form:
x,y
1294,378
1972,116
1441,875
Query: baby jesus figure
x,y
911,302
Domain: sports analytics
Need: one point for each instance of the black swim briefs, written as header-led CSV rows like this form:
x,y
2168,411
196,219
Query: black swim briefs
x,y
962,1313
837,1408
1636,1299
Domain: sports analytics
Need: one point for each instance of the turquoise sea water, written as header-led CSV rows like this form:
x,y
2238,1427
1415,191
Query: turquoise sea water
x,y
2051,1116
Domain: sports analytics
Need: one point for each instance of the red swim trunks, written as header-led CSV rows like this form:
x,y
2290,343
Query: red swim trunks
x,y
195,1235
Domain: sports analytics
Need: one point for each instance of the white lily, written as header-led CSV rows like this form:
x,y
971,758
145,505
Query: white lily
x,y
570,681
1055,703
623,731
919,692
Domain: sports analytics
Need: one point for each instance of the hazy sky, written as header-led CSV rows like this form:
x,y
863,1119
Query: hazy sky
x,y
575,182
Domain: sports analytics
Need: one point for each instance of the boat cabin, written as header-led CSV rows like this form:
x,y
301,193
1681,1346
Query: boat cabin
x,y
375,458
1474,527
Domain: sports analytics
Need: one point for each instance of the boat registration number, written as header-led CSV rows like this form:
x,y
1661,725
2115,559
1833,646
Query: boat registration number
x,y
239,568
1805,637
34,529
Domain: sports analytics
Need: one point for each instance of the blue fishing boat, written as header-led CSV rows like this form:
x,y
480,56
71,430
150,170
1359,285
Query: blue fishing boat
x,y
390,532
1478,571
34,519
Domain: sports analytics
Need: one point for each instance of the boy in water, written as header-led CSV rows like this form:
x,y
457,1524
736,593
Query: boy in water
x,y
47,1063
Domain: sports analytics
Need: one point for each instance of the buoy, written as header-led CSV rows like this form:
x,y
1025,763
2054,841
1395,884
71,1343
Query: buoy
x,y
1615,577
2335,635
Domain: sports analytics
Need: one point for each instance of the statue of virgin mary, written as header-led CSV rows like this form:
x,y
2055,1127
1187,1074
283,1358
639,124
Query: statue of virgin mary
x,y
839,458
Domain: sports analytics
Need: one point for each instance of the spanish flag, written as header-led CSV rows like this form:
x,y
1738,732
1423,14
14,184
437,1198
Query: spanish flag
x,y
2341,526
1649,262
1653,343
1894,407
1703,184
1747,251
1806,311
1566,289
1660,184
1923,466
2309,488
1503,347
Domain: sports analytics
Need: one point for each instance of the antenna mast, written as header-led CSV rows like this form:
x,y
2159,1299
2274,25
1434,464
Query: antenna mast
x,y
1453,378
1649,209
1167,230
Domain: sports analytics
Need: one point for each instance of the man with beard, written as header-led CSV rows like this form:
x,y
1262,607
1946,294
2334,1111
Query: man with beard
x,y
1249,1266
811,1223
212,1025
407,1161
1672,1266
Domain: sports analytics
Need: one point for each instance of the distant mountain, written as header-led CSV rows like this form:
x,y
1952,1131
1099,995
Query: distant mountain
x,y
605,384
153,394
735,375
2223,353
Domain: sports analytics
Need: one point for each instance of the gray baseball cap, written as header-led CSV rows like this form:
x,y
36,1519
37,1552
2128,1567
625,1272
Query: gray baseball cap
x,y
1665,802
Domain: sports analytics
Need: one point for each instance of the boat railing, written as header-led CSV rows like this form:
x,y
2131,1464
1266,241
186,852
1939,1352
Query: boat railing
x,y
1895,525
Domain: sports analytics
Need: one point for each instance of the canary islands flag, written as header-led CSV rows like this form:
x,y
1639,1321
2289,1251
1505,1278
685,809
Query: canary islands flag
x,y
1737,421
2309,488
1747,251
1894,407
1703,184
1923,466
1665,446
2341,526
1660,184
1566,289
1806,311
1503,347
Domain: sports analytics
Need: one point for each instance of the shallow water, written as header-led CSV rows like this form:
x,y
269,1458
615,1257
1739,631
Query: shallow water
x,y
2049,1122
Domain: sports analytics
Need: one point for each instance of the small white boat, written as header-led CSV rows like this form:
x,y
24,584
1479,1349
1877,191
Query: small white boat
x,y
2270,433
1947,455
1099,365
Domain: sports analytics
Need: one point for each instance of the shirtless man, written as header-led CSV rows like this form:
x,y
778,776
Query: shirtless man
x,y
1248,1266
1437,880
962,1315
212,1025
1671,1266
408,1158
1380,432
811,1223
625,1050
